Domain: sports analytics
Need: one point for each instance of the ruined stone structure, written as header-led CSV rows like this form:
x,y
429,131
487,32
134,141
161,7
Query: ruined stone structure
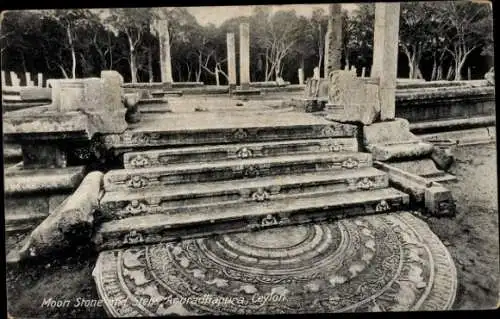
x,y
239,204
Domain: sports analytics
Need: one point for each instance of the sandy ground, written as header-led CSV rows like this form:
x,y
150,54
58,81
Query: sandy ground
x,y
471,237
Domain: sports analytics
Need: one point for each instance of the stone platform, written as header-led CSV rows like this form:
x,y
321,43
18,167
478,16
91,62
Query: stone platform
x,y
390,262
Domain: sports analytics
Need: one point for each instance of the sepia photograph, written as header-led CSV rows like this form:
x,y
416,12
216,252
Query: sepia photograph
x,y
305,158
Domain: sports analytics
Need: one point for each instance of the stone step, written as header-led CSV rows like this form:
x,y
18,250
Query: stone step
x,y
22,222
203,128
249,216
155,158
233,169
177,198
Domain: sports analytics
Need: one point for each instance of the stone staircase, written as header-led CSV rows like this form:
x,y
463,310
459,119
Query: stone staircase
x,y
234,176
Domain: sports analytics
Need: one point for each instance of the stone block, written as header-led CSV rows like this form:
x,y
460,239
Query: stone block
x,y
40,155
20,181
352,99
388,131
386,152
439,201
112,90
442,155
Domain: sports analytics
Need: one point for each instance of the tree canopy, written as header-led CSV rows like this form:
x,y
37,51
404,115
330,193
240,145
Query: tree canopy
x,y
438,40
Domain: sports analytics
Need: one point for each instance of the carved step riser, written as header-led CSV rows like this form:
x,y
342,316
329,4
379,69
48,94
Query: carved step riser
x,y
152,180
224,136
156,234
235,152
178,204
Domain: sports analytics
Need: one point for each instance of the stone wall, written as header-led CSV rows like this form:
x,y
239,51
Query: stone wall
x,y
443,103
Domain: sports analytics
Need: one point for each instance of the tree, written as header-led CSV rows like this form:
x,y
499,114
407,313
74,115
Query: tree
x,y
416,33
317,32
73,22
470,27
278,38
134,24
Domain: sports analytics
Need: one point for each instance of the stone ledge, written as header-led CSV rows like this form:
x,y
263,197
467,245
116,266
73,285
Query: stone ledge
x,y
437,200
20,181
453,124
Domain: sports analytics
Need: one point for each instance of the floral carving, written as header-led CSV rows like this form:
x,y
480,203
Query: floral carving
x,y
135,207
251,171
139,161
133,237
137,182
244,152
350,163
327,131
260,195
365,183
269,220
383,206
240,134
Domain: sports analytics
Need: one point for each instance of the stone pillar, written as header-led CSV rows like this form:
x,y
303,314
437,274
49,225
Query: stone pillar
x,y
28,79
165,59
4,81
301,76
40,80
363,72
14,80
385,55
333,39
231,59
244,55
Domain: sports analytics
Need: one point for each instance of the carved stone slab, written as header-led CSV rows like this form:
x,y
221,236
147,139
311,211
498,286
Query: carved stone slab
x,y
175,199
352,99
390,262
208,153
226,170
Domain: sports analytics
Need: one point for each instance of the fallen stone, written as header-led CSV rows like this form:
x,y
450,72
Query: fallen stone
x,y
399,151
443,157
72,222
388,131
392,140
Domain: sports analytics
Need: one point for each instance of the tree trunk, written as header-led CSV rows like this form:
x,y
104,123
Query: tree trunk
x,y
450,73
150,65
133,67
73,54
434,70
217,75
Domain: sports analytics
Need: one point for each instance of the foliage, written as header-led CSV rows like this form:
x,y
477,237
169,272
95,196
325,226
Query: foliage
x,y
437,40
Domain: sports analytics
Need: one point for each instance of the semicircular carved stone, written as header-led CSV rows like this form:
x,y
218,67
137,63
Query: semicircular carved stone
x,y
393,262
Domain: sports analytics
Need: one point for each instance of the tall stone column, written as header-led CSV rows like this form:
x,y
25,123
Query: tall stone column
x,y
244,55
231,59
165,59
385,55
333,39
